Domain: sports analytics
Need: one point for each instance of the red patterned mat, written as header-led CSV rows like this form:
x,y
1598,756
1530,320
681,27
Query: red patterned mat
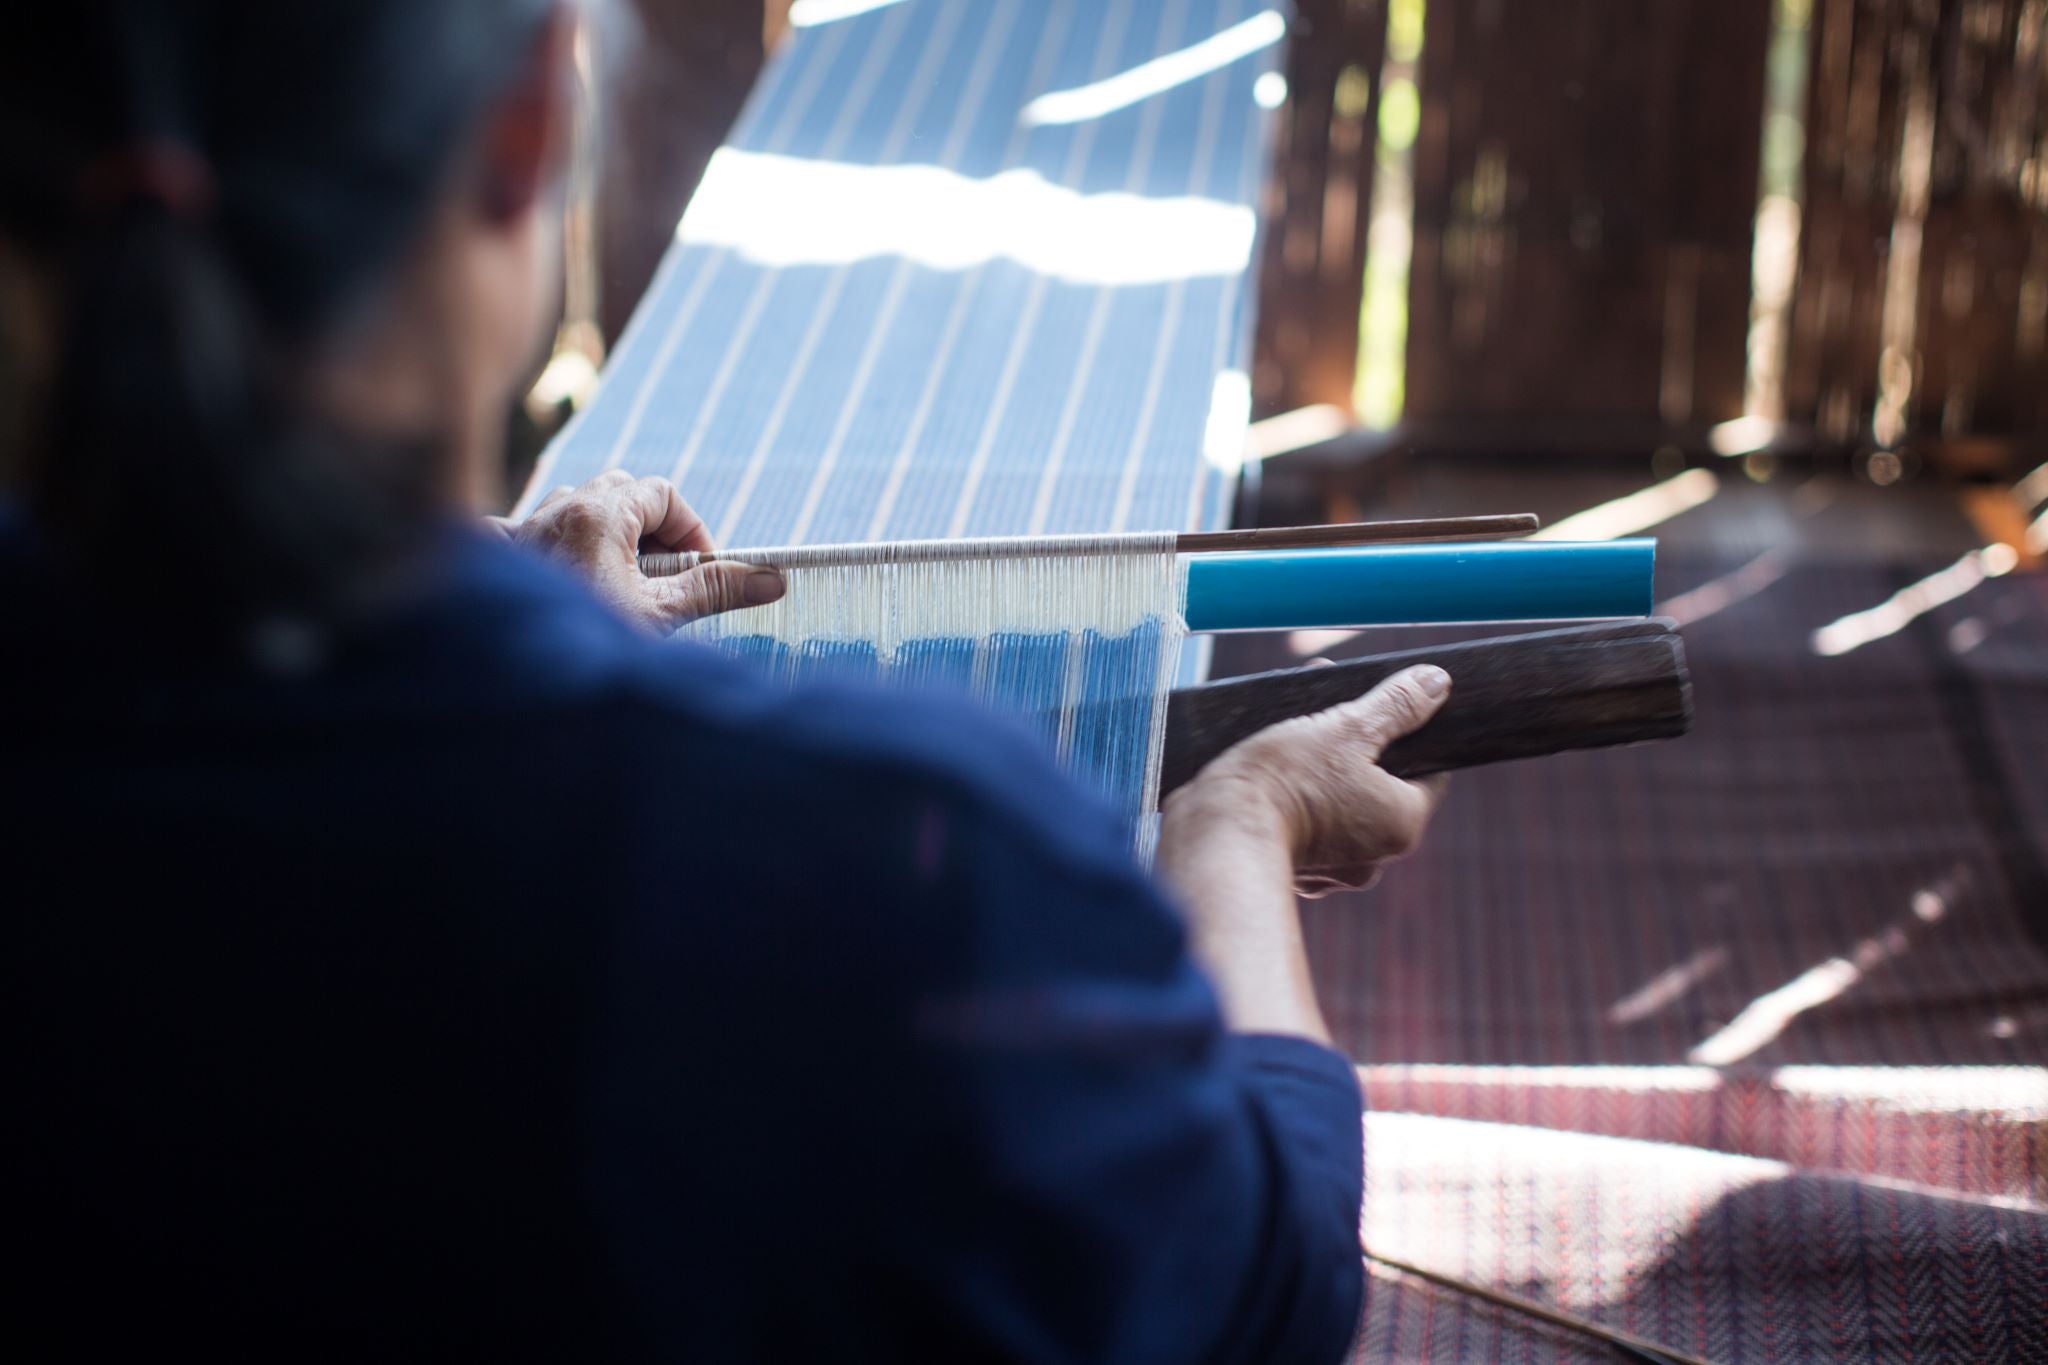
x,y
1729,1258
1735,1041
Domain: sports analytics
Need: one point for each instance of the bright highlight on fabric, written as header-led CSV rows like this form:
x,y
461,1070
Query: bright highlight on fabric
x,y
1230,418
1909,604
811,13
1739,585
1768,1016
1764,1019
2032,491
1668,987
787,211
1743,436
1296,428
1637,512
1160,74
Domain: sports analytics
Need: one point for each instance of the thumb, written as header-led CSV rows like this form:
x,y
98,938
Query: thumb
x,y
1400,705
710,589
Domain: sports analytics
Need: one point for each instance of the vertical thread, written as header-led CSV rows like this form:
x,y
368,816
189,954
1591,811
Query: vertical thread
x,y
1082,648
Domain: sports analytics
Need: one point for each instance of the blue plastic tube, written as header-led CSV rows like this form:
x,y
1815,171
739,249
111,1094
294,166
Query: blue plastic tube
x,y
1383,585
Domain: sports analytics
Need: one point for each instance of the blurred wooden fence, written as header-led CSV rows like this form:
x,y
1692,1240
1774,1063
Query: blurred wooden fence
x,y
1585,192
1319,206
1585,186
1923,285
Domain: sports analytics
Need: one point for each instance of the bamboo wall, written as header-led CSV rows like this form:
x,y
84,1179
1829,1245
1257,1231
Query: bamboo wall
x,y
1319,206
1585,188
1923,286
1586,184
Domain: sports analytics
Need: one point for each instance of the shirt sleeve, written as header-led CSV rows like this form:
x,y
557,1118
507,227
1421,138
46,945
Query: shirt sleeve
x,y
1126,1180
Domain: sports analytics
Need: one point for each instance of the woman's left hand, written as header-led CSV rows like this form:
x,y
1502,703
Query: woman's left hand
x,y
600,530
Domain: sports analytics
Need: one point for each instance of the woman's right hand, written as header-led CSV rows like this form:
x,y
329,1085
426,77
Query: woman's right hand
x,y
1300,808
1317,779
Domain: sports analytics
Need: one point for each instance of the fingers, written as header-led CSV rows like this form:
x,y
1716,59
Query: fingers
x,y
1312,884
665,518
1411,805
612,515
710,589
1400,705
1425,796
584,524
1401,835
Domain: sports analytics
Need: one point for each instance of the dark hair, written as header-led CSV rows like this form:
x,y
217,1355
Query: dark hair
x,y
208,186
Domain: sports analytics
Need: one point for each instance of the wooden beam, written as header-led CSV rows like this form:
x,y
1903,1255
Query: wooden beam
x,y
671,83
1519,696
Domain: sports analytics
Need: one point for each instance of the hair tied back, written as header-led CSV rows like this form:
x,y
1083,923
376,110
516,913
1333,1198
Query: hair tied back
x,y
158,172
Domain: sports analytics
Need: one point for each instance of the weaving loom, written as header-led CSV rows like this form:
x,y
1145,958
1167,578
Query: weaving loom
x,y
1082,634
1068,189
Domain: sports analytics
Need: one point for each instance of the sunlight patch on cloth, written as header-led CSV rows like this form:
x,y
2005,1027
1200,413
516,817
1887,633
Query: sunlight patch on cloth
x,y
785,211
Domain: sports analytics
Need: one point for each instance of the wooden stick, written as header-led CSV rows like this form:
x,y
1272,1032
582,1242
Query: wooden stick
x,y
665,564
1637,1348
1359,533
1519,696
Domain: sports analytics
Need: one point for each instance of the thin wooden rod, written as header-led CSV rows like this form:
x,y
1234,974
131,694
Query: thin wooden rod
x,y
1635,1347
1358,533
662,565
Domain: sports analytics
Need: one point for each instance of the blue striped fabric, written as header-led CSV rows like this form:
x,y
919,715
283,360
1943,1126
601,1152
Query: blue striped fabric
x,y
1027,335
1091,697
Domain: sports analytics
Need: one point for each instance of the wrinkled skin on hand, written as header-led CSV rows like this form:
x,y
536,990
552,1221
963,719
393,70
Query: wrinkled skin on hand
x,y
1342,815
600,530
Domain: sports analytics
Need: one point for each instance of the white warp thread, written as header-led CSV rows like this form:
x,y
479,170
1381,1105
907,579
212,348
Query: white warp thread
x,y
1084,647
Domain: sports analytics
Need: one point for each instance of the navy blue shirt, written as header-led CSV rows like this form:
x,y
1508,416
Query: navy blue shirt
x,y
492,982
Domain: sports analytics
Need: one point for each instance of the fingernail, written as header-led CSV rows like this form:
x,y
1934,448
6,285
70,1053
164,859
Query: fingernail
x,y
1433,681
762,587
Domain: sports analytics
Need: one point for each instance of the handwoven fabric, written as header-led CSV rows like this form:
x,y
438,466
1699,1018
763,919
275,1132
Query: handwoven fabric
x,y
964,267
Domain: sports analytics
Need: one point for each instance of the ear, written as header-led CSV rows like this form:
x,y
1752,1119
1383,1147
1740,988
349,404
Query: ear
x,y
525,147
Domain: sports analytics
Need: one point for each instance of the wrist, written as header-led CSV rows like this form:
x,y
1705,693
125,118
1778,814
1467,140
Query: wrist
x,y
1224,800
1225,849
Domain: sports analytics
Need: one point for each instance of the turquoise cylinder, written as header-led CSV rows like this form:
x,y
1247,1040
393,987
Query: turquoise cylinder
x,y
1385,585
